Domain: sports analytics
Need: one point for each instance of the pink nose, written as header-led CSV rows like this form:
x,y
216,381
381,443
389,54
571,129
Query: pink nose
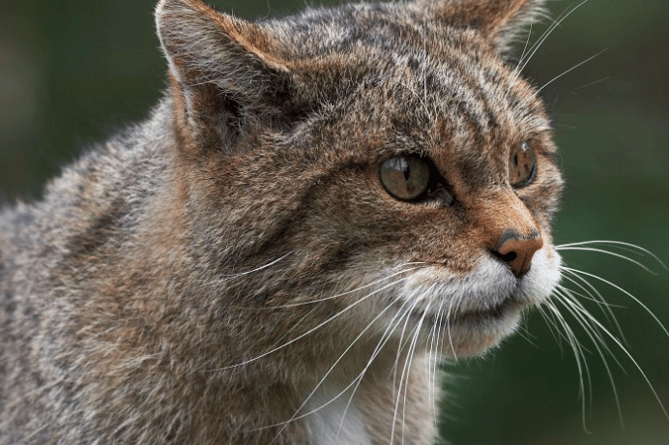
x,y
517,251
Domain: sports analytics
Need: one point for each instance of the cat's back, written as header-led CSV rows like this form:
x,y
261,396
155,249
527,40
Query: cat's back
x,y
19,318
48,252
19,239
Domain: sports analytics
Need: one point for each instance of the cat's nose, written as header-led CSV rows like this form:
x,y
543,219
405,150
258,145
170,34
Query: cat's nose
x,y
517,251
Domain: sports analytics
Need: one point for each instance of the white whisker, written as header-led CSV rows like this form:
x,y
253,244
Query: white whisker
x,y
409,362
608,252
553,328
632,247
533,49
603,305
603,329
387,334
639,302
448,323
527,41
349,292
589,84
257,269
569,70
584,318
401,380
525,335
593,328
297,415
436,354
415,302
579,356
315,328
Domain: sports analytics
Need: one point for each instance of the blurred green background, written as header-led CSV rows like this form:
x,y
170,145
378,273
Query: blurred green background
x,y
73,71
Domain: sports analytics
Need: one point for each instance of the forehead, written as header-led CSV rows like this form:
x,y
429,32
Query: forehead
x,y
450,88
394,82
397,52
462,92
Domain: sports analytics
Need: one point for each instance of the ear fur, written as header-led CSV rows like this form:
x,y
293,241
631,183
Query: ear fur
x,y
224,72
500,21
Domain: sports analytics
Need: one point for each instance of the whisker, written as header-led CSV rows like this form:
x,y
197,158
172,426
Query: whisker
x,y
333,297
400,347
631,358
525,335
297,415
438,325
410,356
424,73
429,369
527,41
588,294
631,246
569,70
380,345
603,305
558,21
320,325
639,302
608,252
553,328
579,356
590,329
420,99
583,318
402,342
457,302
257,269
404,377
589,84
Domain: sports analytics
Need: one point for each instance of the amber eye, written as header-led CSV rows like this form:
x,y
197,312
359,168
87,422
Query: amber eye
x,y
521,165
405,177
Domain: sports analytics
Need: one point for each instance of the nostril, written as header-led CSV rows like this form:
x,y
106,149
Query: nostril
x,y
507,257
517,251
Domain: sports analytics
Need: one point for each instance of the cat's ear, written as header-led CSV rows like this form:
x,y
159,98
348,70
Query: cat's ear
x,y
500,21
226,77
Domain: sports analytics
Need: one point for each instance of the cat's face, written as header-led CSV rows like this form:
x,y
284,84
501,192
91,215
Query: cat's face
x,y
430,167
400,169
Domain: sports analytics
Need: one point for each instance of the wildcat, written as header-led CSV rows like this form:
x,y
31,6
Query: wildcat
x,y
319,209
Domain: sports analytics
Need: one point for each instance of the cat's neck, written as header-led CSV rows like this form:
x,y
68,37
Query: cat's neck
x,y
334,417
389,400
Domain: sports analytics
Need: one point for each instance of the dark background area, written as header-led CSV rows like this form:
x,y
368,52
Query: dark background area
x,y
73,71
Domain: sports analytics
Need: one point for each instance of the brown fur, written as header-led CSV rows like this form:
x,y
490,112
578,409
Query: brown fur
x,y
179,283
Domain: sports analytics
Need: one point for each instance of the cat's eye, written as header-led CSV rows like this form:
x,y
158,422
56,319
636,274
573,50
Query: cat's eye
x,y
405,177
522,165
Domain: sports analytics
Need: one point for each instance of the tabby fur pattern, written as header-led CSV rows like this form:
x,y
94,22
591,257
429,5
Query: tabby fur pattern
x,y
233,271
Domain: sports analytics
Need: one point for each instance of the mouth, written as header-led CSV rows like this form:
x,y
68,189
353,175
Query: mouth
x,y
497,313
468,333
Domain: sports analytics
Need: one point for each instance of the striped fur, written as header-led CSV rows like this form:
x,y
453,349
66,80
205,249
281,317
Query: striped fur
x,y
220,271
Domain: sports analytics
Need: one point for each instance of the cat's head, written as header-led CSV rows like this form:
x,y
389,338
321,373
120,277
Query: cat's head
x,y
383,162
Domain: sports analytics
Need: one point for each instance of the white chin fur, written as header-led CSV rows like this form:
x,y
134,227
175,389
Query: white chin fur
x,y
476,311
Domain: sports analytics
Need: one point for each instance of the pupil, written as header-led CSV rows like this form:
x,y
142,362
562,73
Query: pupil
x,y
406,171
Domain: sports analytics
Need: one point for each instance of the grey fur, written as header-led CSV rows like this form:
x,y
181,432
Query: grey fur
x,y
142,297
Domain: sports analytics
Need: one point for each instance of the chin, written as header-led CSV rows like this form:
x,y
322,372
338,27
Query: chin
x,y
472,334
